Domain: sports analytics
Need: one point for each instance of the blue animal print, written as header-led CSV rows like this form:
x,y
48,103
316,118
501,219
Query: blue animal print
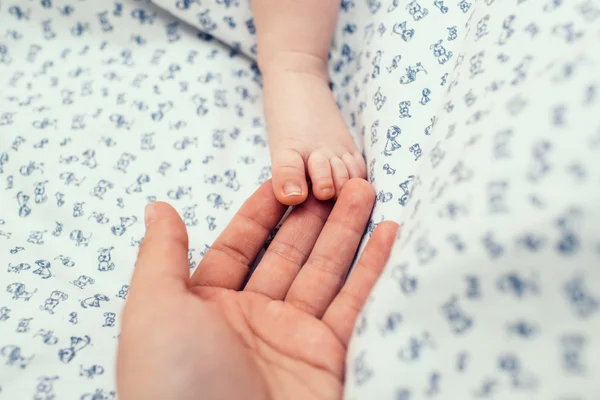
x,y
67,354
491,179
441,54
14,357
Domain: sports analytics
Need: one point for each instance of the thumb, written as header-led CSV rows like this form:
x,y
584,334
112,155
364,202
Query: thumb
x,y
162,262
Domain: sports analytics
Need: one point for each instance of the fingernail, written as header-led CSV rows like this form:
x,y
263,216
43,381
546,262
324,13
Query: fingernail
x,y
149,214
291,189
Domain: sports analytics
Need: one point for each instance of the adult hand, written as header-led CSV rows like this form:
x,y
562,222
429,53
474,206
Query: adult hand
x,y
281,336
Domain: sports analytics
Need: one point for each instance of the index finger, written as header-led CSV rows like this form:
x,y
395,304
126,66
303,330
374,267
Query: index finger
x,y
228,261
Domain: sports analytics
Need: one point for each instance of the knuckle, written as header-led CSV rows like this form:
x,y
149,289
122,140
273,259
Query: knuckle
x,y
287,251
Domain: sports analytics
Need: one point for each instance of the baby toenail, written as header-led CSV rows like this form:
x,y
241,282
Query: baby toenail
x,y
291,189
327,191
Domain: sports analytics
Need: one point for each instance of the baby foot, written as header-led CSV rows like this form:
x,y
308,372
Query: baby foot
x,y
308,137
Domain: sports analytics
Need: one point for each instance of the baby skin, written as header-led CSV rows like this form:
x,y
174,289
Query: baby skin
x,y
308,137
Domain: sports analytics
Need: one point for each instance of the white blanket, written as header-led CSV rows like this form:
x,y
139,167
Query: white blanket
x,y
480,122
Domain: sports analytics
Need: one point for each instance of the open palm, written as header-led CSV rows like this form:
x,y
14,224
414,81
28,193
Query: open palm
x,y
282,334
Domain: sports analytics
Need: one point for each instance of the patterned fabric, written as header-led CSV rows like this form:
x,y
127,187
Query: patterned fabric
x,y
481,127
103,108
229,21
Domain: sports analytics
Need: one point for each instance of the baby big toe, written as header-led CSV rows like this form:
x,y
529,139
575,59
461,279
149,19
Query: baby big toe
x,y
289,177
319,171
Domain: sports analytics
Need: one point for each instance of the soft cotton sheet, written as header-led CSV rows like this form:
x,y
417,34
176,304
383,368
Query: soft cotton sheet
x,y
480,124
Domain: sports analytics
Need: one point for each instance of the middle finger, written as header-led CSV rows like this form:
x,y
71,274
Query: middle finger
x,y
323,274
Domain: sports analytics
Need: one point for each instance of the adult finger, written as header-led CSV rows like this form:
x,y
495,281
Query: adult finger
x,y
289,249
323,274
343,311
228,261
162,262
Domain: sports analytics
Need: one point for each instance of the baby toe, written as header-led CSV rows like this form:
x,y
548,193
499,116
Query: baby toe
x,y
360,160
289,177
352,165
319,171
340,173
